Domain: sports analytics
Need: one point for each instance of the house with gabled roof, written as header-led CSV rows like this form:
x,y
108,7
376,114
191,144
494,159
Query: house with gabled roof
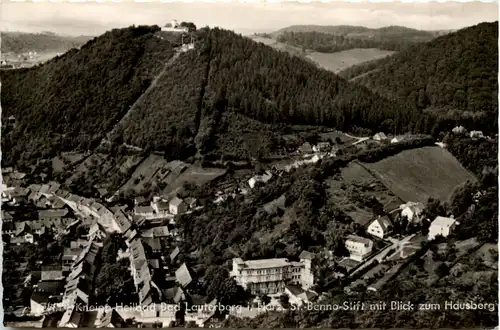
x,y
380,227
412,211
177,206
298,296
174,253
183,276
380,136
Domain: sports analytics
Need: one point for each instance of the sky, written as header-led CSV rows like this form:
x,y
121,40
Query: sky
x,y
94,18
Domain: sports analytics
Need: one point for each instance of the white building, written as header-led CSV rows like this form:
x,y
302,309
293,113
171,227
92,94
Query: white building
x,y
177,206
476,134
322,147
441,226
260,178
358,247
459,130
380,136
396,139
270,276
380,227
412,211
174,27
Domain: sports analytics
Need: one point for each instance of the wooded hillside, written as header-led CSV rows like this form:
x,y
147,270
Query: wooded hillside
x,y
71,101
19,42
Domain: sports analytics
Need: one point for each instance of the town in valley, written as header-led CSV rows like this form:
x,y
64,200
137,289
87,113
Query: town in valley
x,y
189,176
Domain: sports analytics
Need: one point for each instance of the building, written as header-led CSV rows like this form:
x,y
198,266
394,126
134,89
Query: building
x,y
322,147
476,134
160,207
144,211
297,296
459,130
380,136
412,211
174,27
380,227
396,139
305,148
358,247
441,226
270,276
177,206
182,275
260,178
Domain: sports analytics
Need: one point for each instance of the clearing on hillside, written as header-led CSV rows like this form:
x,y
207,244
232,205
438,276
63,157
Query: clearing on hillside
x,y
339,61
353,191
195,175
417,174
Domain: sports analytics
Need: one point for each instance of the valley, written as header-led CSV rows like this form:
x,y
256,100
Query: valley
x,y
146,170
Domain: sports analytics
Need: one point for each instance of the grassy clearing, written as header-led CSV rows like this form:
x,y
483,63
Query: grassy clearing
x,y
339,61
417,174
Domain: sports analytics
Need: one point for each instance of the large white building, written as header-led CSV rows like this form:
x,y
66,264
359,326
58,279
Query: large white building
x,y
174,27
270,276
441,226
358,247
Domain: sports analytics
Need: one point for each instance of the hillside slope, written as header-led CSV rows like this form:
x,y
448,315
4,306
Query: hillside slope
x,y
71,101
227,77
457,71
409,177
19,42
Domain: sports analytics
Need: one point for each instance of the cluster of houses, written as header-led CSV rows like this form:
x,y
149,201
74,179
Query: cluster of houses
x,y
361,249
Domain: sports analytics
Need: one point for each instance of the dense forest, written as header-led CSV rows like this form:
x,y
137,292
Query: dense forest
x,y
19,42
453,72
202,100
388,32
331,43
71,101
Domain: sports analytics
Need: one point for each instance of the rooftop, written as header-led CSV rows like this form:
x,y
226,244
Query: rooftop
x,y
443,221
358,239
266,263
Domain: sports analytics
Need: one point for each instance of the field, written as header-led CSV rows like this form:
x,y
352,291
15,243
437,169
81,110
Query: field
x,y
195,175
334,62
354,187
279,46
415,175
145,173
339,61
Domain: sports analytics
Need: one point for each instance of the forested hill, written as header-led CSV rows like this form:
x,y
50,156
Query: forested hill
x,y
329,39
72,100
20,42
458,71
231,76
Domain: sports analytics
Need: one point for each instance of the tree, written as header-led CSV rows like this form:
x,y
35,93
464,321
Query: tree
x,y
442,270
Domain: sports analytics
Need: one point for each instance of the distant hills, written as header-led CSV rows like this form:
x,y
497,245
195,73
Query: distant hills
x,y
455,72
329,39
361,31
20,42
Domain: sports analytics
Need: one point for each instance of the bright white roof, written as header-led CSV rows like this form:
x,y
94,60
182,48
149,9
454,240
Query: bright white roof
x,y
443,221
